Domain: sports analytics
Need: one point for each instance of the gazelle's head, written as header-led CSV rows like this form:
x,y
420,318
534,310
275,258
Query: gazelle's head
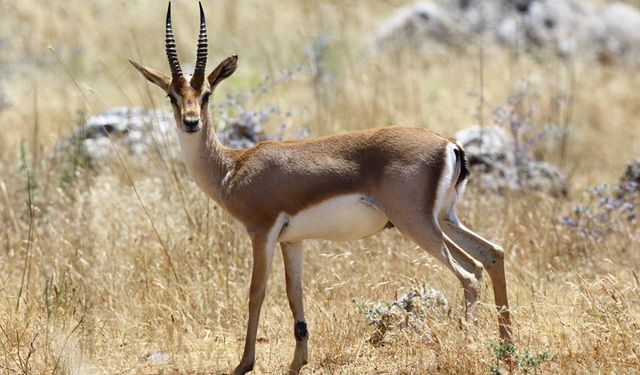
x,y
189,94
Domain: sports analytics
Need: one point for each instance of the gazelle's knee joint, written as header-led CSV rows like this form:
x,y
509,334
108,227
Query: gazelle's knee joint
x,y
494,254
498,251
300,331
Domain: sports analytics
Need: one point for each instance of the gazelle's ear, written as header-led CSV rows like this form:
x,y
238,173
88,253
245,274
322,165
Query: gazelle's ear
x,y
154,76
223,71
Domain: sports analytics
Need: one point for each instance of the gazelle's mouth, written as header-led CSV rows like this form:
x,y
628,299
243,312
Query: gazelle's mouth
x,y
191,129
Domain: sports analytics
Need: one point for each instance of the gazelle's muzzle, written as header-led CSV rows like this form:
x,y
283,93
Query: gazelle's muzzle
x,y
191,124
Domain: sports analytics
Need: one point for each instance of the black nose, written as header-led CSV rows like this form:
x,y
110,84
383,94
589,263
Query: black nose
x,y
191,124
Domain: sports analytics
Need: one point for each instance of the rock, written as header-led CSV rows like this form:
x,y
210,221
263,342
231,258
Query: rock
x,y
130,131
497,165
416,25
245,130
620,39
569,28
543,177
407,313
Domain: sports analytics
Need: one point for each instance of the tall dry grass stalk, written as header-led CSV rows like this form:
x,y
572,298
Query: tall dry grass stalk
x,y
102,295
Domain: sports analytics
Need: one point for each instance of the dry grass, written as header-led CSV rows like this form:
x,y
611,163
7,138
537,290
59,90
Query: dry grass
x,y
87,286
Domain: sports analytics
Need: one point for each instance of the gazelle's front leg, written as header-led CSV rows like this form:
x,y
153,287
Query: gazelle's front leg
x,y
263,246
293,263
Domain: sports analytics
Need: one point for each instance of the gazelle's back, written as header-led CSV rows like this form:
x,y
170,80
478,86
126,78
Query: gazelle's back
x,y
314,171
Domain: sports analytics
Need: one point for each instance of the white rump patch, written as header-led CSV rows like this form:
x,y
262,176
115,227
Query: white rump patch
x,y
342,218
446,195
463,185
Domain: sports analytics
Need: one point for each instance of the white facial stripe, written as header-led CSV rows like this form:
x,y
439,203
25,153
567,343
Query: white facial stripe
x,y
177,99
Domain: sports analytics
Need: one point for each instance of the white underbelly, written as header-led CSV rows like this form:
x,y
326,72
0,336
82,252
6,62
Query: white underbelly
x,y
343,218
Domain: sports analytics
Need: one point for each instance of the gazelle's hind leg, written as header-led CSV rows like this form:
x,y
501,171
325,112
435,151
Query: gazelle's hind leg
x,y
293,263
428,235
492,258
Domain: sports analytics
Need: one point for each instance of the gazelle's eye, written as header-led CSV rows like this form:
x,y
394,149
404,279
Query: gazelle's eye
x,y
205,97
173,99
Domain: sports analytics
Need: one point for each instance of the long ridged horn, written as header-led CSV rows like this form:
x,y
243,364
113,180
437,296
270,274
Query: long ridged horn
x,y
201,60
170,46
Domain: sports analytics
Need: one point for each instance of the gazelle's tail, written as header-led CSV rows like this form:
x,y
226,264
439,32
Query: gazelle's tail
x,y
462,165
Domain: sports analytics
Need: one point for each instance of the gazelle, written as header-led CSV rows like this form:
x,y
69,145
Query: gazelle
x,y
339,187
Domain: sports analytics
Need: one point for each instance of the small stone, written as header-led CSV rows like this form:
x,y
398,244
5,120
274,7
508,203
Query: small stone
x,y
407,313
157,358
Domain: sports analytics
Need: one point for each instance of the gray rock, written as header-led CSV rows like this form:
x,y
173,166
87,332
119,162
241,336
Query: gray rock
x,y
568,28
419,26
119,132
620,39
133,130
245,130
497,165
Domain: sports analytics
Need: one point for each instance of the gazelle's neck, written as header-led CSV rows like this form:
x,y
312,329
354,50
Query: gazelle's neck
x,y
206,158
